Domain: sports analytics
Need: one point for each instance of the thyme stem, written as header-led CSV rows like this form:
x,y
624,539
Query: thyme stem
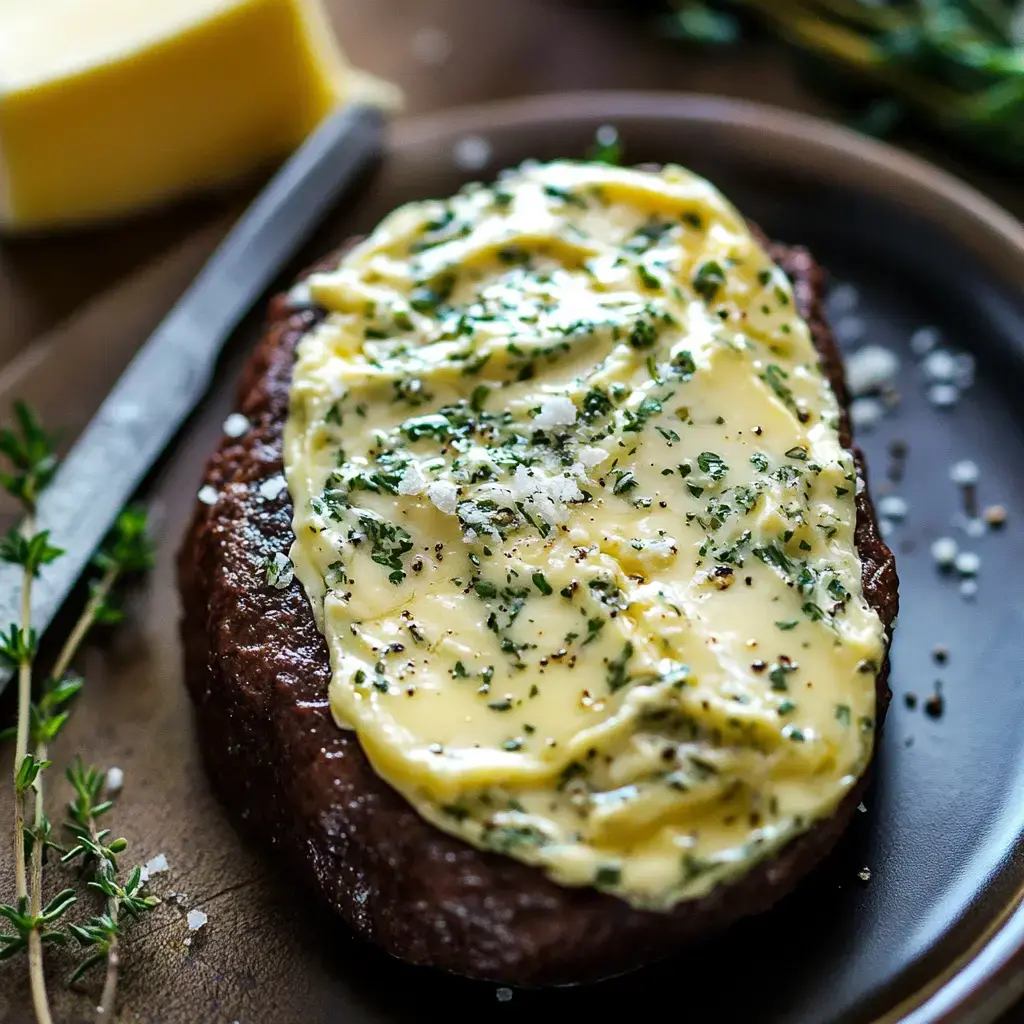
x,y
21,743
86,620
29,889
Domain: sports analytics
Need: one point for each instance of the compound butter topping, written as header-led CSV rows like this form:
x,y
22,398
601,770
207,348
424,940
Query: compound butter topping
x,y
573,515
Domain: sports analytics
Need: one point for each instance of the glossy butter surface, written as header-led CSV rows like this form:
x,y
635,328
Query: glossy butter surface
x,y
572,512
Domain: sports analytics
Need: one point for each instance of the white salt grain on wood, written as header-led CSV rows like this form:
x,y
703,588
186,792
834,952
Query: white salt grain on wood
x,y
196,919
115,780
431,45
155,866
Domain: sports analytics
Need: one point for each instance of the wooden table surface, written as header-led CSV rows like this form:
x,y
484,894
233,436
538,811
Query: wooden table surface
x,y
62,298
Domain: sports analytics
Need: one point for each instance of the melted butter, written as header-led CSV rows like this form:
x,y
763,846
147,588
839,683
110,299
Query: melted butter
x,y
573,515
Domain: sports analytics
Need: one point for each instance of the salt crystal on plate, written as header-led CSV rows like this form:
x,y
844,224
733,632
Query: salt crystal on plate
x,y
940,367
968,563
849,329
969,589
208,494
893,507
844,298
964,369
866,413
975,527
944,551
870,368
923,340
943,396
964,472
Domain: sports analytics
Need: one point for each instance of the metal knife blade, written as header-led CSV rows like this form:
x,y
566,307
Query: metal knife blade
x,y
171,372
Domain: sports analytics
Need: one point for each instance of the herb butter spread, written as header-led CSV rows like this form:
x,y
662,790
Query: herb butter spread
x,y
573,515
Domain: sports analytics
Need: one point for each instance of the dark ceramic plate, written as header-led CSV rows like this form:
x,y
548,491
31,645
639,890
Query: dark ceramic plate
x,y
933,934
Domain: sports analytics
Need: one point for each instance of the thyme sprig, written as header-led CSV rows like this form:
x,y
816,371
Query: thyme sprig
x,y
29,450
100,935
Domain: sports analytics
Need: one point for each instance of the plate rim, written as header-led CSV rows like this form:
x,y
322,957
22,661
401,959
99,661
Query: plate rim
x,y
987,978
989,229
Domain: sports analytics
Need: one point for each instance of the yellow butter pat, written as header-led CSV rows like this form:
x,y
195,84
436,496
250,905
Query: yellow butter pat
x,y
107,106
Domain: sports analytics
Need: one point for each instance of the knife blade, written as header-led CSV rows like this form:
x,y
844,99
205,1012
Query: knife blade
x,y
171,372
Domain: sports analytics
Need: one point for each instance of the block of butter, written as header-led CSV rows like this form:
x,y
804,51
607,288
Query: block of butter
x,y
107,106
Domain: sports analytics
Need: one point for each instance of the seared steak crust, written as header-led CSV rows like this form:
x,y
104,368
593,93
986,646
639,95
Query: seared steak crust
x,y
257,670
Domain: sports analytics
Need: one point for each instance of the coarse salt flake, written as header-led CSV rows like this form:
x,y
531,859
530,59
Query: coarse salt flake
x,y
849,329
555,411
893,507
444,495
940,366
923,340
944,552
968,589
967,563
115,780
975,527
413,481
273,487
236,425
866,413
196,919
155,866
208,494
871,368
944,396
844,298
964,473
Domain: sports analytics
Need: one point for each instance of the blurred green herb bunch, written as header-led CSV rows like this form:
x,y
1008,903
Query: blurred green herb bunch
x,y
956,64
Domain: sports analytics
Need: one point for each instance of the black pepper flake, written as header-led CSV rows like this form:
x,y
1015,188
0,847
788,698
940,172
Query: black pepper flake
x,y
910,699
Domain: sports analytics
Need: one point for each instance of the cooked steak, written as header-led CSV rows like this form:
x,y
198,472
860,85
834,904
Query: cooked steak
x,y
257,670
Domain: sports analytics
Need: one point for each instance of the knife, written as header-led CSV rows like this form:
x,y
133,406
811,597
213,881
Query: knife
x,y
171,372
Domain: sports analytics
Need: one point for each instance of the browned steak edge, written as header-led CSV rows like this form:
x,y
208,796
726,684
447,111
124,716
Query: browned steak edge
x,y
257,671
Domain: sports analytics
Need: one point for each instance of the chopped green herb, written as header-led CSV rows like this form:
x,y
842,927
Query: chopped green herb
x,y
708,279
